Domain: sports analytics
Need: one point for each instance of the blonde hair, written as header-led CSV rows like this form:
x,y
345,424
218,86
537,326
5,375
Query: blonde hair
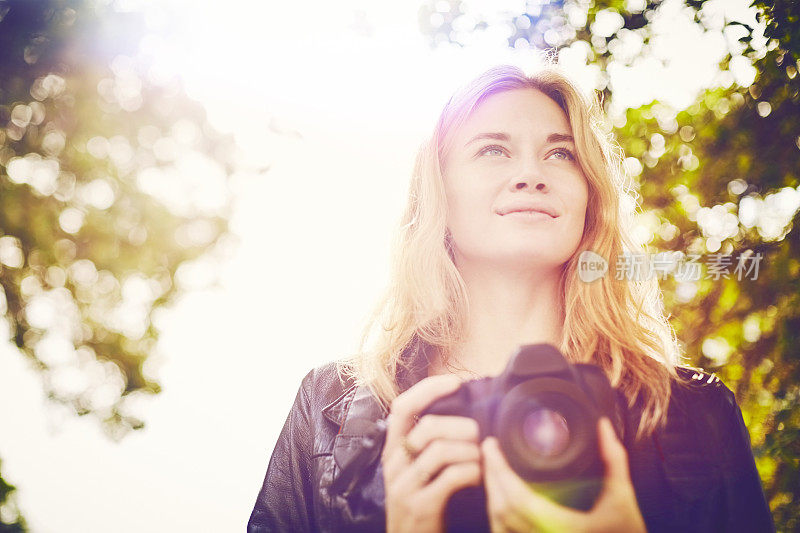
x,y
618,325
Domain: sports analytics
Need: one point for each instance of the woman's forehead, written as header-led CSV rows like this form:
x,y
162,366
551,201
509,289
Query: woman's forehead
x,y
509,111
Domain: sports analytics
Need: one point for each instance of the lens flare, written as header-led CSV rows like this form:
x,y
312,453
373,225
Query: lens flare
x,y
546,432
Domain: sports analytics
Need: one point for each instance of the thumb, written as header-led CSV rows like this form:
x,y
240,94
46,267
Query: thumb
x,y
614,456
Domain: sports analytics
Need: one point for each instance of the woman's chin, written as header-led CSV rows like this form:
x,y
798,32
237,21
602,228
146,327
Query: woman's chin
x,y
525,259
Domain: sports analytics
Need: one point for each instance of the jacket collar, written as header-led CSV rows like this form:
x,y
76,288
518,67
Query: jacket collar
x,y
414,363
412,367
362,423
336,410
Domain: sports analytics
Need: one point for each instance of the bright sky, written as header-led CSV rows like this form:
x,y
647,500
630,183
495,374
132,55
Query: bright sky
x,y
358,83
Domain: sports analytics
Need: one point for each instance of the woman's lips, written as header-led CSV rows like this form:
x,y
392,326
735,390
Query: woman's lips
x,y
529,215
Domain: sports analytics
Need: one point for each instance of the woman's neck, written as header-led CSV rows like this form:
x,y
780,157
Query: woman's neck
x,y
505,311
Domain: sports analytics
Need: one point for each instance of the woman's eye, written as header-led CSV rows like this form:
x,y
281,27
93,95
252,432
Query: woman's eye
x,y
567,153
492,150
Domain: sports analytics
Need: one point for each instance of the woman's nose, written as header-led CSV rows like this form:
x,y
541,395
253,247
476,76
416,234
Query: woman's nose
x,y
522,184
529,177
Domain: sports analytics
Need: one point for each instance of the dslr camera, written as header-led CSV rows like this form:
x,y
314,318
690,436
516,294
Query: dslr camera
x,y
544,412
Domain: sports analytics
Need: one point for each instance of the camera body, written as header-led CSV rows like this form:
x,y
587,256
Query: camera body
x,y
544,412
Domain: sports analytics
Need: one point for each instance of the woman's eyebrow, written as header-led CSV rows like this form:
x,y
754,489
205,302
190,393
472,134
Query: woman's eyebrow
x,y
494,136
560,137
500,136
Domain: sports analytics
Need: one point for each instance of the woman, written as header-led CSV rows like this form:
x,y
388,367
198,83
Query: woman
x,y
516,181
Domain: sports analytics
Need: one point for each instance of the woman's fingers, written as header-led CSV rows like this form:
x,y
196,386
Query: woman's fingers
x,y
414,400
618,498
501,496
435,458
511,501
515,505
430,430
453,478
614,456
432,427
421,470
496,499
500,505
506,481
398,451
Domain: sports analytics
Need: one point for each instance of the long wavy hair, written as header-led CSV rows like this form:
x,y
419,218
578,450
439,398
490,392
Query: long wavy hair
x,y
618,325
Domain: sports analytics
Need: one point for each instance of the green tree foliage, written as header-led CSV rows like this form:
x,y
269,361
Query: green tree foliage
x,y
102,167
10,520
719,177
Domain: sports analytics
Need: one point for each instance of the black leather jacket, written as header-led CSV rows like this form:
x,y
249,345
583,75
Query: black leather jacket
x,y
696,474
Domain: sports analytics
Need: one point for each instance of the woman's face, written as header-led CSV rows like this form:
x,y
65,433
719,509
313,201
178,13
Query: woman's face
x,y
513,157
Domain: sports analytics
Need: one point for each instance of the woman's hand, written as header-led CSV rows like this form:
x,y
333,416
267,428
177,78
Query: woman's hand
x,y
424,464
514,506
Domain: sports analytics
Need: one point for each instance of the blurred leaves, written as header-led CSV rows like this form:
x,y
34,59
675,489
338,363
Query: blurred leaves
x,y
111,179
10,519
736,150
719,176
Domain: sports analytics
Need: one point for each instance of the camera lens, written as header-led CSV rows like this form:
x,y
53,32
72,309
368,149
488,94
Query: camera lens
x,y
546,429
546,432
